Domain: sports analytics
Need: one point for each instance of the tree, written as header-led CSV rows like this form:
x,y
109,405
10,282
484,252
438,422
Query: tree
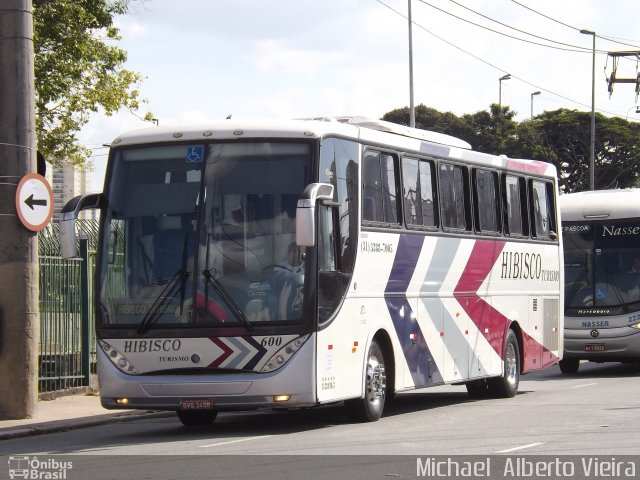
x,y
492,131
428,118
560,137
78,70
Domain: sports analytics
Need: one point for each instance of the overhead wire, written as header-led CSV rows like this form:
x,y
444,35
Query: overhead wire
x,y
500,69
586,49
575,49
605,37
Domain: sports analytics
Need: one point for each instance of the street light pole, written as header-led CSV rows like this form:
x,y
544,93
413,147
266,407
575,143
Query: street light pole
x,y
532,95
592,162
504,77
412,108
637,107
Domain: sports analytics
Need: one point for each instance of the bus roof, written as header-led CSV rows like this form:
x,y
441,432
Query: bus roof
x,y
359,128
600,205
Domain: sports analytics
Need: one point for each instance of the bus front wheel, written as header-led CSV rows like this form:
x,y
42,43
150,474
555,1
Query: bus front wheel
x,y
569,365
194,418
369,408
507,385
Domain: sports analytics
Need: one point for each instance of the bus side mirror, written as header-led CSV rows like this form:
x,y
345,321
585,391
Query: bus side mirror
x,y
306,212
68,247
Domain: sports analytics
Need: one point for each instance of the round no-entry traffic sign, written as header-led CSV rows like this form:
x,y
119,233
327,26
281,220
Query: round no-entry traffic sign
x,y
34,202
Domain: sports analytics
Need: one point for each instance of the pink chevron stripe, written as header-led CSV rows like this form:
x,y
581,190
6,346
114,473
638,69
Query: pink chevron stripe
x,y
483,257
484,316
226,352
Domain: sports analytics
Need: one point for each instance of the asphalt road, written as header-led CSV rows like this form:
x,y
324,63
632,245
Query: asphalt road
x,y
595,412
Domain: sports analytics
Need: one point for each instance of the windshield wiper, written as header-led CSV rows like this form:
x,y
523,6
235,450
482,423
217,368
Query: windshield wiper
x,y
167,293
226,297
575,287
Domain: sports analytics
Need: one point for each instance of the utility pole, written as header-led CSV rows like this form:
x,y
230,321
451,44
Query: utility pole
x,y
412,108
592,148
19,288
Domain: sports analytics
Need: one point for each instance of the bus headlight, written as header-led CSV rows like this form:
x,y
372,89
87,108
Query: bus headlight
x,y
283,355
117,358
637,325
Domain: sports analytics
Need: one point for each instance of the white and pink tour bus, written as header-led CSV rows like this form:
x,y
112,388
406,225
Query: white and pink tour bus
x,y
306,262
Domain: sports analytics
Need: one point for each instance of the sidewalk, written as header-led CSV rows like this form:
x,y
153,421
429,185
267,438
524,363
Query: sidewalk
x,y
65,413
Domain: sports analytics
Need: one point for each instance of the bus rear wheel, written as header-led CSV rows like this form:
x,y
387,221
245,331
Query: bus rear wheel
x,y
195,418
477,388
506,386
369,408
569,365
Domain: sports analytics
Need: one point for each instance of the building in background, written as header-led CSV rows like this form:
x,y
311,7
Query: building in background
x,y
66,183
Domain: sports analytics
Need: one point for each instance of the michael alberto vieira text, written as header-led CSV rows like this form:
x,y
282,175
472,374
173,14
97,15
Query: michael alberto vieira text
x,y
521,467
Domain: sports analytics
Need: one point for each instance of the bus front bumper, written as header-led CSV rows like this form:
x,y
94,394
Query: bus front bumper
x,y
602,345
291,386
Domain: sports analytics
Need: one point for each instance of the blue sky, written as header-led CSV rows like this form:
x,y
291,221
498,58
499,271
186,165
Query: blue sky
x,y
205,59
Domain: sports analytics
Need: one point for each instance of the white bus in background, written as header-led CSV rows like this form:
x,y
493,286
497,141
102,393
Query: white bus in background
x,y
307,262
601,231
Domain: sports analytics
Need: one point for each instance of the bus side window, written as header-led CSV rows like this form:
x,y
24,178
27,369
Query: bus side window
x,y
514,199
379,188
418,193
371,188
454,197
485,194
543,209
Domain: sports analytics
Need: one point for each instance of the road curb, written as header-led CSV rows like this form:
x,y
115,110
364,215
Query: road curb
x,y
54,426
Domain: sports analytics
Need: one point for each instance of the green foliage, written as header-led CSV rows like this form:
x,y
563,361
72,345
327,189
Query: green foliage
x,y
494,131
561,137
431,119
78,70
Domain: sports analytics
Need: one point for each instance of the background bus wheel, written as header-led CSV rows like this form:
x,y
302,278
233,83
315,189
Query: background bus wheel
x,y
569,365
477,388
507,384
197,418
369,408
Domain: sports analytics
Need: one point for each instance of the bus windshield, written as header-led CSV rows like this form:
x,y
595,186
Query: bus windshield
x,y
602,266
203,235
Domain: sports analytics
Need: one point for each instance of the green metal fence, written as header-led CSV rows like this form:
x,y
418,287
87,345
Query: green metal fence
x,y
61,328
67,337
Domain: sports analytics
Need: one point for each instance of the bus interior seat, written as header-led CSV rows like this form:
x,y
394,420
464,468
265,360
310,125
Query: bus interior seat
x,y
369,209
172,236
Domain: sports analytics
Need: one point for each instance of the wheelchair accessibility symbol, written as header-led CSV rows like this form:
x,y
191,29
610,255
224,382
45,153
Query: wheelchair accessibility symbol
x,y
195,153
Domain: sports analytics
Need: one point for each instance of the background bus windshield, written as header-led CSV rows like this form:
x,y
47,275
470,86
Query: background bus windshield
x,y
602,266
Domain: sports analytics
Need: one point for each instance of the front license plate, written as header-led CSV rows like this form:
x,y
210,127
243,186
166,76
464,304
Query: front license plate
x,y
196,404
595,347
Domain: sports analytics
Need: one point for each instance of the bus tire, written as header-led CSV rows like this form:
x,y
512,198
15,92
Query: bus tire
x,y
195,418
477,388
506,386
569,365
369,408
